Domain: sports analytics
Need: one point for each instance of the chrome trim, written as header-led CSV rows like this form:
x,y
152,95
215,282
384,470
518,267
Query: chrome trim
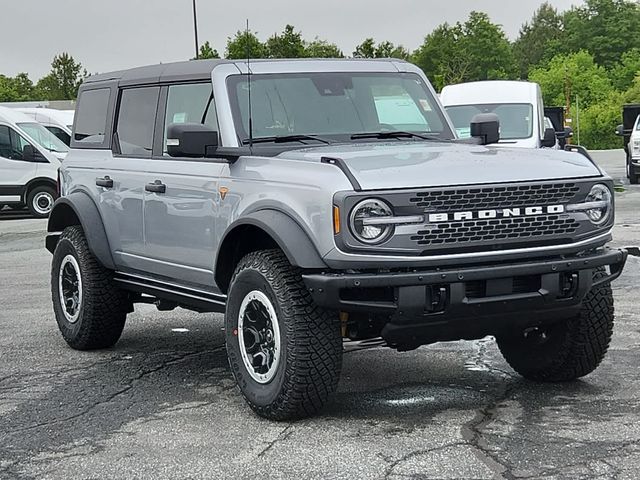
x,y
394,220
583,207
461,256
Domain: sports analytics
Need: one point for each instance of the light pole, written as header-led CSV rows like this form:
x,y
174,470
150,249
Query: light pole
x,y
195,28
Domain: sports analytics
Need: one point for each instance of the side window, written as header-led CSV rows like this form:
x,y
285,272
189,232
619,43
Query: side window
x,y
11,143
61,134
190,104
91,118
136,120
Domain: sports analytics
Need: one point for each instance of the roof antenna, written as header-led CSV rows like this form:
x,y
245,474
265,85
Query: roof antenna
x,y
249,84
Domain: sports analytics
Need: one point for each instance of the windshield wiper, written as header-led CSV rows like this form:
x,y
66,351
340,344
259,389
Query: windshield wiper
x,y
287,138
391,134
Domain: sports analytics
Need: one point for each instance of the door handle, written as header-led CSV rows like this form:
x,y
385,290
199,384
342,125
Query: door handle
x,y
106,182
156,187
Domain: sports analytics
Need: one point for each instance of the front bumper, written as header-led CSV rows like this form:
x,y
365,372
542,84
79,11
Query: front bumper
x,y
463,298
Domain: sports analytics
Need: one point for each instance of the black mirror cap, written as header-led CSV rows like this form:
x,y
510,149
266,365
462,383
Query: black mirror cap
x,y
192,140
549,139
486,127
620,130
568,132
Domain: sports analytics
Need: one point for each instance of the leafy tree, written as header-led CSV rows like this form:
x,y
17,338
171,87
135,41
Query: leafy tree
x,y
598,122
322,49
539,40
633,94
366,49
207,51
386,49
63,81
289,44
568,76
624,73
17,89
605,28
245,44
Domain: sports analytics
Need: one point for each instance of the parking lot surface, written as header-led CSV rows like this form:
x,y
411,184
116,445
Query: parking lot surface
x,y
162,403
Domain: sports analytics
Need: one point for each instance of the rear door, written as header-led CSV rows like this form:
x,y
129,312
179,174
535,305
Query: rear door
x,y
180,221
15,171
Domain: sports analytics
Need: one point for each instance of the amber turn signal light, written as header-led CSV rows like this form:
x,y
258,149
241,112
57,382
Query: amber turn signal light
x,y
336,220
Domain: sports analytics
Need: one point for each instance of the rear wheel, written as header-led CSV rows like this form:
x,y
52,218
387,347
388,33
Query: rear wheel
x,y
285,352
567,350
40,200
90,310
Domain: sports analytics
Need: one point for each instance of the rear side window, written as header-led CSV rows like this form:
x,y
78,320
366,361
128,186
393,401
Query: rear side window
x,y
91,118
61,134
136,120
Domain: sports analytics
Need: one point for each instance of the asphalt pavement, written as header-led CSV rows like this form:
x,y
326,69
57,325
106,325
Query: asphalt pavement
x,y
162,402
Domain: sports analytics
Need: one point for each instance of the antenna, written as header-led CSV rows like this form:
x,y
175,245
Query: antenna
x,y
249,84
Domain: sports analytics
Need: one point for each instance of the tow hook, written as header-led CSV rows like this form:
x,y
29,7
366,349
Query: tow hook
x,y
570,285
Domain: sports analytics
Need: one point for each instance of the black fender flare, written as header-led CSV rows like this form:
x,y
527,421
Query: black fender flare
x,y
79,209
285,232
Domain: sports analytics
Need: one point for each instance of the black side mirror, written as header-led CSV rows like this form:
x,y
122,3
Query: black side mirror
x,y
31,154
192,140
486,127
568,132
620,130
549,139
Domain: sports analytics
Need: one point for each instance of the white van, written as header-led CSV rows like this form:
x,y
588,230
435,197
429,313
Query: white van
x,y
28,165
58,122
519,107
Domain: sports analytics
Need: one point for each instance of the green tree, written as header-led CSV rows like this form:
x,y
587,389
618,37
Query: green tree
x,y
488,48
598,122
322,49
605,28
623,74
288,44
207,51
568,76
632,95
366,49
17,89
245,44
63,81
539,40
369,49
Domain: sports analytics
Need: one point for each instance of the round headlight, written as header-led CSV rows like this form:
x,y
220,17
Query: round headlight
x,y
370,232
602,195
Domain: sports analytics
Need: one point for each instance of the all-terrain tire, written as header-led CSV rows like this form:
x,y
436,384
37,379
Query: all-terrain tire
x,y
40,200
310,343
570,349
102,307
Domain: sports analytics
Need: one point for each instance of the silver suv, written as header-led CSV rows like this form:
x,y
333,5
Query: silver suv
x,y
320,204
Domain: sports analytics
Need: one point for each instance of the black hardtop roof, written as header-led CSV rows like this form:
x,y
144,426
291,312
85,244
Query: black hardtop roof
x,y
192,70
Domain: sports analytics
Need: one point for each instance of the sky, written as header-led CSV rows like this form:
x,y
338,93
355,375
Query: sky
x,y
116,34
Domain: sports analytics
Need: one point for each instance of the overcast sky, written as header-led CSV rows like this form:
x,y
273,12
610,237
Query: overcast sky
x,y
116,34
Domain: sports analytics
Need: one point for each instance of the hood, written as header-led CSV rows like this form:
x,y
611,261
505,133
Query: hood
x,y
432,164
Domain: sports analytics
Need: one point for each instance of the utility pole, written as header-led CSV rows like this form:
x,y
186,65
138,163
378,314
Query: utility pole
x,y
195,28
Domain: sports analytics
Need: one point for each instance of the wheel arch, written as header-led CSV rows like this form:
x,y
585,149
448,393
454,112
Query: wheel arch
x,y
79,209
261,230
36,182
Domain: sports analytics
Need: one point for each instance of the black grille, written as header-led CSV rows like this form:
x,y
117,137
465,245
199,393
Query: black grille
x,y
498,229
453,200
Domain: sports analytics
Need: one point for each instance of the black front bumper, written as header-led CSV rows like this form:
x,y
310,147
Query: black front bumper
x,y
457,303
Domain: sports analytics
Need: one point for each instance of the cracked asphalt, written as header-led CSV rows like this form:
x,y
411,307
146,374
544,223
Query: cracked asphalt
x,y
162,403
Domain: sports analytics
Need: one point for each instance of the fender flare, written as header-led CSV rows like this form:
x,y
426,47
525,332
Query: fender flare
x,y
79,209
286,233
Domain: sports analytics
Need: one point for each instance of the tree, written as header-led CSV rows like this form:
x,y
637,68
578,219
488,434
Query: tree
x,y
605,28
17,89
245,44
597,123
539,40
289,44
623,74
322,49
63,81
207,51
386,49
366,49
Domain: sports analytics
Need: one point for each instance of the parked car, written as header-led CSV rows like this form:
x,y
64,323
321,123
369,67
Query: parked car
x,y
58,122
630,132
321,202
519,106
28,165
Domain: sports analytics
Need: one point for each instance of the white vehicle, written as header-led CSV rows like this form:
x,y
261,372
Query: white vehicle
x,y
58,122
519,107
630,131
28,165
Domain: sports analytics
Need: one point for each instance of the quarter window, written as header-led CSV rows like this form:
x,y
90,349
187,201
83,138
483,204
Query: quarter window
x,y
91,119
190,104
61,134
11,144
136,120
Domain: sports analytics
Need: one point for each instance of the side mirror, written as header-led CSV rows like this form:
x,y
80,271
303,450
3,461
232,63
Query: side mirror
x,y
568,132
620,130
486,127
192,140
31,154
549,139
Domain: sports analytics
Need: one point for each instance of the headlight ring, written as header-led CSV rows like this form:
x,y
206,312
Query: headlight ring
x,y
371,234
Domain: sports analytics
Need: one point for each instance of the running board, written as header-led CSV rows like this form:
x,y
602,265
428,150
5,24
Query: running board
x,y
193,299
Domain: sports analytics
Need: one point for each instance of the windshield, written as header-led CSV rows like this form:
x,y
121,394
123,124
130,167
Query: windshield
x,y
44,137
335,105
516,119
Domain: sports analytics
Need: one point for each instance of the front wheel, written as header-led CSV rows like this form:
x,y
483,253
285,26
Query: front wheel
x,y
566,350
40,201
285,352
631,174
